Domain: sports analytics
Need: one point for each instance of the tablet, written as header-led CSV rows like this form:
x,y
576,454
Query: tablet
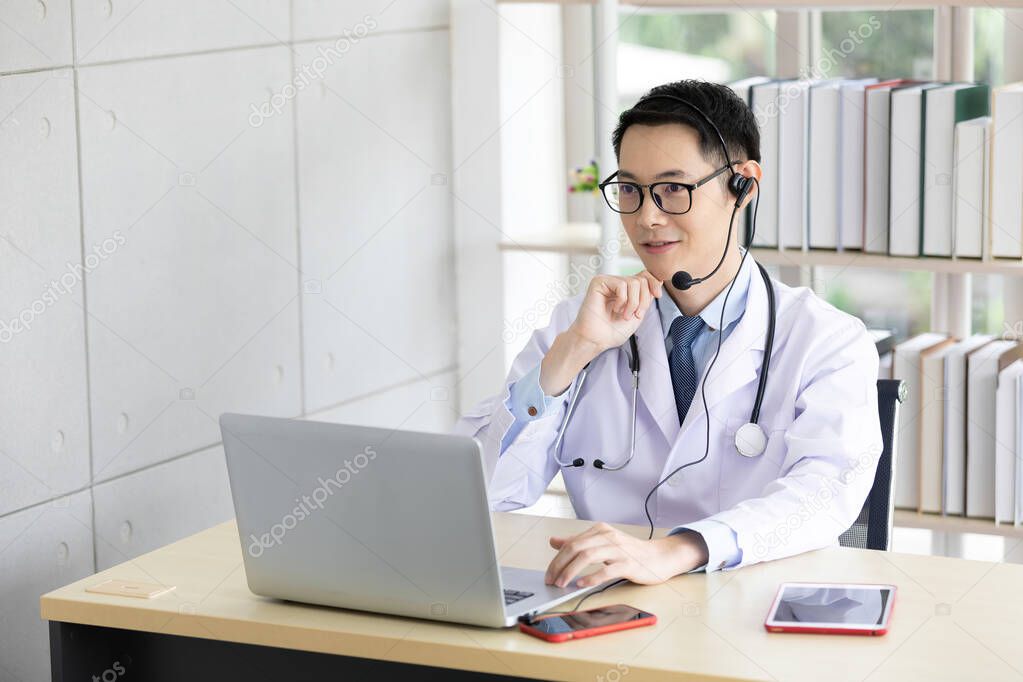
x,y
831,608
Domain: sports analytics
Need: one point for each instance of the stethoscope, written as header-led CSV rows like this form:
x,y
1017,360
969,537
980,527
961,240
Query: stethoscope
x,y
750,439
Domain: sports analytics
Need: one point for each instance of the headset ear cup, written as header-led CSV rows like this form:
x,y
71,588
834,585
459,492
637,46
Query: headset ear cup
x,y
736,183
740,186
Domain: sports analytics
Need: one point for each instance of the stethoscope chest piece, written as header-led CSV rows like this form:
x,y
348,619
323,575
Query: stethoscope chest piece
x,y
750,440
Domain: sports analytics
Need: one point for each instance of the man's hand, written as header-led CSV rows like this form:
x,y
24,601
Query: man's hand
x,y
647,562
614,307
611,311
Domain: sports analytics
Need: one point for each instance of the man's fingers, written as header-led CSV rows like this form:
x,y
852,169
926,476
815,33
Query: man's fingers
x,y
567,552
635,284
628,296
616,569
621,290
645,298
656,285
594,555
570,547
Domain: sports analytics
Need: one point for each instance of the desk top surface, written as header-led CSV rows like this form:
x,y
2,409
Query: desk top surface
x,y
953,619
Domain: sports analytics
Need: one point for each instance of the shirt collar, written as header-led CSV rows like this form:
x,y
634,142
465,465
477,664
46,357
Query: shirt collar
x,y
711,312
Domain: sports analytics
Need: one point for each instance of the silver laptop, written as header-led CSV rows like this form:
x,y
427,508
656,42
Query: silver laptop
x,y
373,519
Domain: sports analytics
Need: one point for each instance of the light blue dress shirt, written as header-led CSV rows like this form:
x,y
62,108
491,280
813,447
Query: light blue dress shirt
x,y
722,546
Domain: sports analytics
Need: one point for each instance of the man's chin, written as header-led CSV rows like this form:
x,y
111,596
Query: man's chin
x,y
663,271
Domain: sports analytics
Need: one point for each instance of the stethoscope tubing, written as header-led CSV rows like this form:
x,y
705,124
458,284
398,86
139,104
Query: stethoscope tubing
x,y
634,368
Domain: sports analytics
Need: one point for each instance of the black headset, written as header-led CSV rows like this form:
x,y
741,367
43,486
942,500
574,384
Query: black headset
x,y
738,184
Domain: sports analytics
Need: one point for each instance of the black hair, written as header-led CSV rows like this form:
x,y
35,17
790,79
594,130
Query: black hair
x,y
720,103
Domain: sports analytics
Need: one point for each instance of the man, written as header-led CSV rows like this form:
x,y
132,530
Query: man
x,y
819,410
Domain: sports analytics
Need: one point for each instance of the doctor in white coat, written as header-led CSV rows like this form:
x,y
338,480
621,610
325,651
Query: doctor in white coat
x,y
819,410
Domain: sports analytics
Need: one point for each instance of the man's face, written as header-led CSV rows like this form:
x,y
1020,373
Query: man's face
x,y
699,235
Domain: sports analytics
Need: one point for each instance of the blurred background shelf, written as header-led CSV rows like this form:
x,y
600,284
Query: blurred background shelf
x,y
782,4
908,518
581,239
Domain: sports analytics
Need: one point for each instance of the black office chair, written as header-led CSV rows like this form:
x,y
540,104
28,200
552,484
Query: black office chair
x,y
873,527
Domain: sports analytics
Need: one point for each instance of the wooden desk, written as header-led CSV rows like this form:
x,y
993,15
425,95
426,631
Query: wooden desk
x,y
953,620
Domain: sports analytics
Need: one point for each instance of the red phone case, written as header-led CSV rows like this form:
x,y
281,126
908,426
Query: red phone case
x,y
832,631
651,619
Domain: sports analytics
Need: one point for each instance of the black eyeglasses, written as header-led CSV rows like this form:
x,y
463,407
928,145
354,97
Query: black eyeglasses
x,y
670,196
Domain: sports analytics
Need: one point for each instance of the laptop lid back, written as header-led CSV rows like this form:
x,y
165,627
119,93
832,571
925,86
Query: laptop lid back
x,y
365,518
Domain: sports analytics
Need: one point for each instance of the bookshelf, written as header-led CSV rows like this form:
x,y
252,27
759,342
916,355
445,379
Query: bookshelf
x,y
953,60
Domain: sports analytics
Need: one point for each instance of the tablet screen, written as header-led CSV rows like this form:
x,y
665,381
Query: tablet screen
x,y
843,605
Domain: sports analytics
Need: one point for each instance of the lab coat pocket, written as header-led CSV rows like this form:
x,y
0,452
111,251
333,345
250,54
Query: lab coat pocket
x,y
739,472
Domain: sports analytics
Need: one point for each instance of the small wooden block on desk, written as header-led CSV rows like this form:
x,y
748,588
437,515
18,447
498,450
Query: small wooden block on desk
x,y
130,588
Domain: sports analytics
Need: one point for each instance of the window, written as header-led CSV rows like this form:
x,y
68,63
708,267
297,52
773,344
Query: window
x,y
896,44
658,47
899,300
987,310
989,45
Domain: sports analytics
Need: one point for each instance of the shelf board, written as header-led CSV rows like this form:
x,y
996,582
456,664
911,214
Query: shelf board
x,y
907,518
784,4
581,239
856,259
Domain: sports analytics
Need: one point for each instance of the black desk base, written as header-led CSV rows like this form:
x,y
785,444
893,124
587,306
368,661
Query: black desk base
x,y
88,652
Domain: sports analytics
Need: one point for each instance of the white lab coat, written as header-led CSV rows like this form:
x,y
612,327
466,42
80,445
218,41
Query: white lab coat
x,y
819,412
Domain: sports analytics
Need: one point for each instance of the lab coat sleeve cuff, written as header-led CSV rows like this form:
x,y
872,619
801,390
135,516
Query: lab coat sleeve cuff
x,y
722,544
526,393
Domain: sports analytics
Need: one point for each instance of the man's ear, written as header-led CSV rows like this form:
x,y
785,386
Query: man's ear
x,y
751,169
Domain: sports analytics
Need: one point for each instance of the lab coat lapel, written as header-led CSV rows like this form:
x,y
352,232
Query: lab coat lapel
x,y
655,389
739,360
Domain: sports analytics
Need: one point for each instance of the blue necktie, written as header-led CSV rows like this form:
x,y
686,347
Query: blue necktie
x,y
684,330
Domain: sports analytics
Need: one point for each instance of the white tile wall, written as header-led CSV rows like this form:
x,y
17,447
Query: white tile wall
x,y
533,84
545,279
34,34
41,548
191,302
328,18
129,29
149,509
201,296
44,430
423,405
383,201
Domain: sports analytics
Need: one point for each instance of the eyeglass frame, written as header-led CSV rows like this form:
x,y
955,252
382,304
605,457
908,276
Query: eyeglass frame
x,y
690,186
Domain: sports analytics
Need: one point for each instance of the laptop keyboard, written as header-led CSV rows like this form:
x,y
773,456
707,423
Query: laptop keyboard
x,y
512,596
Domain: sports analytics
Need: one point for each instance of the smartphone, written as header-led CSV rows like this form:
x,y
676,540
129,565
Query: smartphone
x,y
561,627
832,608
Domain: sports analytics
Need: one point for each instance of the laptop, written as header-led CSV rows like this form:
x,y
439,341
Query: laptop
x,y
373,519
